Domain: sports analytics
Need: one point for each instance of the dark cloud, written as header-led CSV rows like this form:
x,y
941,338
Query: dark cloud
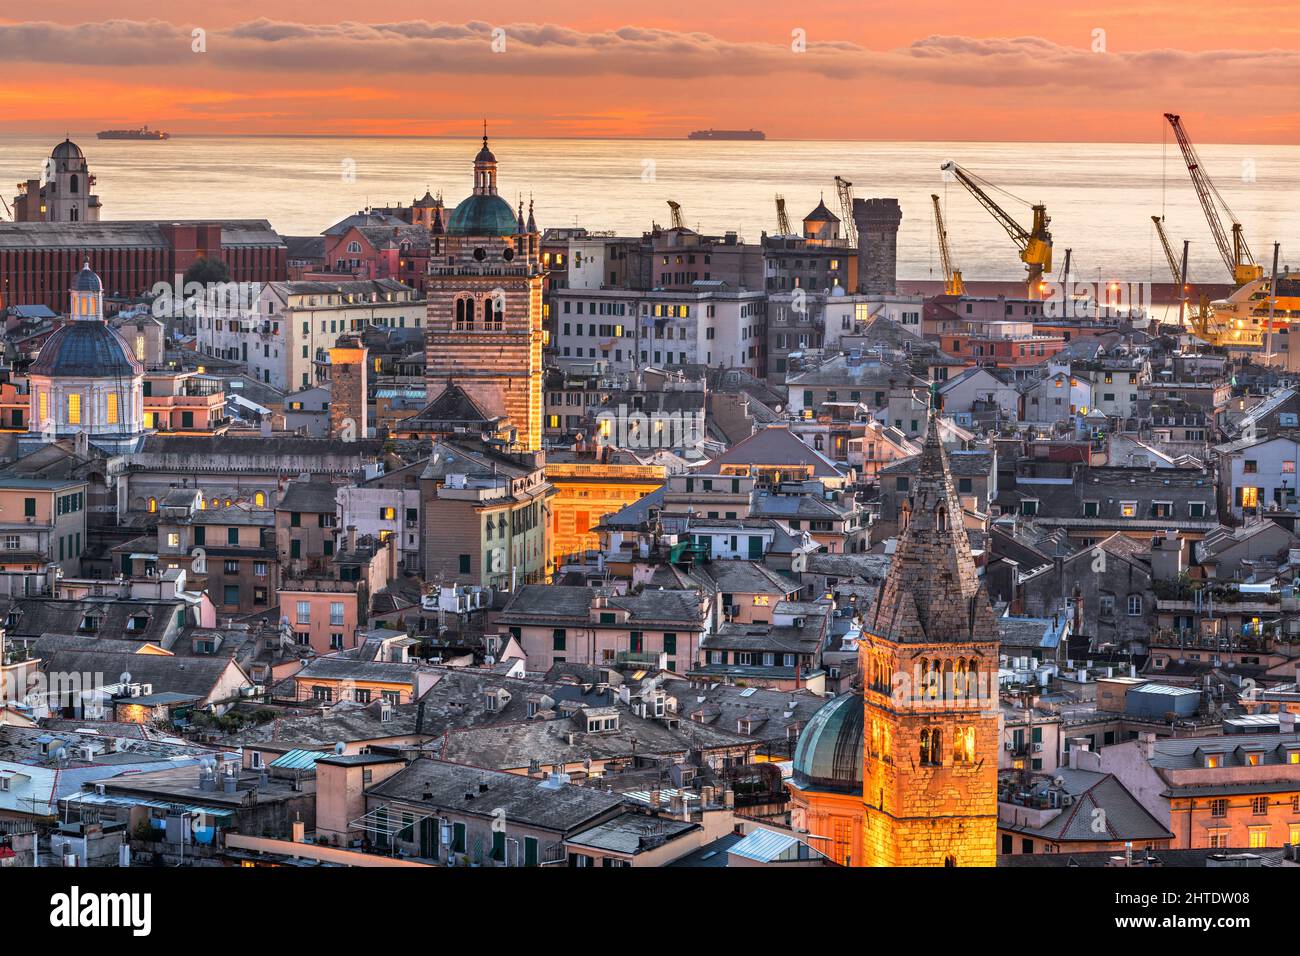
x,y
423,49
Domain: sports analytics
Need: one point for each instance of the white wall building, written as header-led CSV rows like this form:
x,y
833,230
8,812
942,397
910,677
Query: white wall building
x,y
381,512
293,325
628,329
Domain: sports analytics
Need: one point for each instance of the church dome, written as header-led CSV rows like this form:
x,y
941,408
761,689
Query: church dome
x,y
482,215
67,150
87,281
829,752
86,349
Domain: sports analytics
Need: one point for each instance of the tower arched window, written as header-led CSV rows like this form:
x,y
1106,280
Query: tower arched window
x,y
941,518
74,184
259,499
931,746
74,215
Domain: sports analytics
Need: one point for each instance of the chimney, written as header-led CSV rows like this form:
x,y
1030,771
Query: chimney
x,y
1285,722
299,831
1147,744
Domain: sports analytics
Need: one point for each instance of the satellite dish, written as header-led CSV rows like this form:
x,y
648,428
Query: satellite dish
x,y
124,678
1058,781
340,747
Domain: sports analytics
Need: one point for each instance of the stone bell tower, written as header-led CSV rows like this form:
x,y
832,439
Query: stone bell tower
x,y
929,660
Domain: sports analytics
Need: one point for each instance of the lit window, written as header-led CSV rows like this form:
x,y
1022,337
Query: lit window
x,y
259,499
112,408
45,407
153,505
1249,497
74,408
1128,508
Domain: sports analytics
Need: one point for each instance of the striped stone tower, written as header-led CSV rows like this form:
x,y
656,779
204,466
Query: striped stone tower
x,y
484,328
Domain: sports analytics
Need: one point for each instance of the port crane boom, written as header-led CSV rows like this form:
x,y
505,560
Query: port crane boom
x,y
845,190
676,209
952,280
782,220
1035,243
1235,253
1169,252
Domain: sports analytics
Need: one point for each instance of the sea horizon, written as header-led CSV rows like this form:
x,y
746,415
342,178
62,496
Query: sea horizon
x,y
1100,196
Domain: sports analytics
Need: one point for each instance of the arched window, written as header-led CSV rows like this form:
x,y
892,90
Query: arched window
x,y
931,746
949,688
963,745
941,518
74,184
950,861
153,505
354,246
74,214
259,499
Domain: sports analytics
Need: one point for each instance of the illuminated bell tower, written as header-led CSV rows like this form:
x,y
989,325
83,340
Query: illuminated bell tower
x,y
484,290
929,660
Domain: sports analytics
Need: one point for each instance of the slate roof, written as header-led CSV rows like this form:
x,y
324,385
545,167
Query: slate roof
x,y
40,616
771,446
316,497
1123,816
179,675
347,722
526,800
343,668
515,746
565,603
632,833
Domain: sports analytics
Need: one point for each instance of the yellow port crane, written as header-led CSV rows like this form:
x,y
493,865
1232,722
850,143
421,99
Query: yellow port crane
x,y
844,189
1235,253
952,280
676,209
1169,252
1035,243
782,220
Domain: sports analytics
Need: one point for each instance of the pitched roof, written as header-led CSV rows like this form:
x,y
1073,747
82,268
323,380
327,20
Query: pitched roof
x,y
773,446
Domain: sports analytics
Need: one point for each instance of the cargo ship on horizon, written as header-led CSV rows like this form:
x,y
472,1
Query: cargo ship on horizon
x,y
144,132
747,134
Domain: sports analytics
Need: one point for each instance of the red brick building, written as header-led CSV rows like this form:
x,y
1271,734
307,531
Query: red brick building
x,y
38,260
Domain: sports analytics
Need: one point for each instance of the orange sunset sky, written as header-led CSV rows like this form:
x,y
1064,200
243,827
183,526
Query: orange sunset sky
x,y
917,70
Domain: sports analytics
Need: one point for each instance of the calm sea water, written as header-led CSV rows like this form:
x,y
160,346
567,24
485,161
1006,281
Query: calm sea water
x,y
1100,196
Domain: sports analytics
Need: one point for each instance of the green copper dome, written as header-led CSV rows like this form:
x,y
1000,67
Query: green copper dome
x,y
829,753
482,215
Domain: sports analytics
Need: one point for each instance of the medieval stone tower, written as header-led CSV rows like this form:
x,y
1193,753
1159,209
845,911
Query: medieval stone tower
x,y
929,658
877,223
484,329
